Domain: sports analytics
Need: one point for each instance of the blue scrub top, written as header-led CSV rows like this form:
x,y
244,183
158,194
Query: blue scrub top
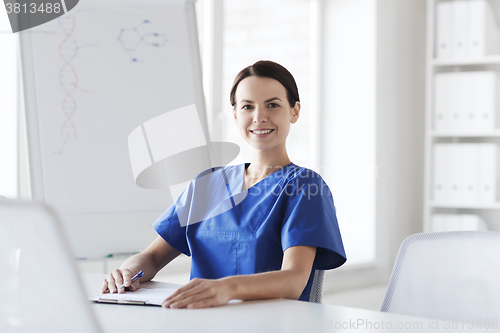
x,y
245,232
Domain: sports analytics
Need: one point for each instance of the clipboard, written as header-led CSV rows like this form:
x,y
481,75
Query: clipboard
x,y
143,296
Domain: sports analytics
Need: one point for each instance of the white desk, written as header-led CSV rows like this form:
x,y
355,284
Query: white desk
x,y
256,316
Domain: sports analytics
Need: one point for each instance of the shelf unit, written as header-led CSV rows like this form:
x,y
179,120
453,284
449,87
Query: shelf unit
x,y
489,212
488,134
463,206
486,60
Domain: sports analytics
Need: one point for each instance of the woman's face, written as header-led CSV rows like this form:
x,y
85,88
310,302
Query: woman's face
x,y
262,112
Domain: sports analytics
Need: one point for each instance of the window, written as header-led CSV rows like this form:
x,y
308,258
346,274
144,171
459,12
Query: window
x,y
349,103
8,108
267,30
235,34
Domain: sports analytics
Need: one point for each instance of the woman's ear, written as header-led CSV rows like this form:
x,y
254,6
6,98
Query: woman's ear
x,y
234,115
295,112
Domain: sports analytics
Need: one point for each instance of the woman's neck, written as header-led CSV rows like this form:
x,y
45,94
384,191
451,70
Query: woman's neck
x,y
265,163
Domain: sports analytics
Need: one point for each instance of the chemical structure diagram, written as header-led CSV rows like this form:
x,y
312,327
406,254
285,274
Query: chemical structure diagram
x,y
132,39
68,50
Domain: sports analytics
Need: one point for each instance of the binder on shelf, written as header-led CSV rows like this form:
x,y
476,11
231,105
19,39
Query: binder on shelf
x,y
460,26
444,30
483,34
466,29
448,102
458,99
487,172
465,173
472,222
465,101
455,169
482,91
441,181
465,124
438,222
457,222
442,96
468,174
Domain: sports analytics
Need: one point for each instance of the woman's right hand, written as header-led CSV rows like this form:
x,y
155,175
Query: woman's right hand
x,y
117,278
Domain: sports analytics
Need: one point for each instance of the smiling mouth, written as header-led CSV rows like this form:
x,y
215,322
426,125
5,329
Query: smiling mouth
x,y
261,132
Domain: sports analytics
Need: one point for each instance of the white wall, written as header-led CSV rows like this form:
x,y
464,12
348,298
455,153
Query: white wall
x,y
398,88
400,120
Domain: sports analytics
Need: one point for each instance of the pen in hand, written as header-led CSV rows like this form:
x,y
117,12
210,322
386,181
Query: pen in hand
x,y
135,277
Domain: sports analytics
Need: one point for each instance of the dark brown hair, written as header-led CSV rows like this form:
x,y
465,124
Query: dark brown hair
x,y
270,69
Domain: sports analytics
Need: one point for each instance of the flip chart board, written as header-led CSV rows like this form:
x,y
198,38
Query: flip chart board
x,y
90,78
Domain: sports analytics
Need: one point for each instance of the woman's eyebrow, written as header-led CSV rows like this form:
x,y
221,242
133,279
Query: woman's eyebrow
x,y
272,99
246,101
266,101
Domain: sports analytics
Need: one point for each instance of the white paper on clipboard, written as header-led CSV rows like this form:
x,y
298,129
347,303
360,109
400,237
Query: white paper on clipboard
x,y
143,296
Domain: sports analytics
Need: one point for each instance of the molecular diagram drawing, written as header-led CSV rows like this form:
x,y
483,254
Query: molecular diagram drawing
x,y
132,39
68,78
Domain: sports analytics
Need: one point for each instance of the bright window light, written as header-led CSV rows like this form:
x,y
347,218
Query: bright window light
x,y
8,108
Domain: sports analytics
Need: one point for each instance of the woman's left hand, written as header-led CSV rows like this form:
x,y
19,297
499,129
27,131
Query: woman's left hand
x,y
199,293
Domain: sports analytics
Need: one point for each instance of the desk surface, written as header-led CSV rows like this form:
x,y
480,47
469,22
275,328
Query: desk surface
x,y
277,315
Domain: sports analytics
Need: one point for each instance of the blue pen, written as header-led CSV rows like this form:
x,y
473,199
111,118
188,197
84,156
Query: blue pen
x,y
135,277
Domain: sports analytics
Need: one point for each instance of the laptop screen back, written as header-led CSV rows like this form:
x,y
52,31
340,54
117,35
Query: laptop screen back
x,y
40,287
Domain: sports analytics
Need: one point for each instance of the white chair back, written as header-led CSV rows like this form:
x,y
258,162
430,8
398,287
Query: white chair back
x,y
447,275
317,286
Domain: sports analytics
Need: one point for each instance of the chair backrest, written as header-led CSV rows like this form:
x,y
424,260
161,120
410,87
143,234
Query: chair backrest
x,y
317,287
40,287
447,275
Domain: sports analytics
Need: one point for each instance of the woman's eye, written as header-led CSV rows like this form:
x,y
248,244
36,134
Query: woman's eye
x,y
247,107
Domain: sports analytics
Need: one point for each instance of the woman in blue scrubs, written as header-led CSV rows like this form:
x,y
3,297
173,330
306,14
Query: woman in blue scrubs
x,y
257,230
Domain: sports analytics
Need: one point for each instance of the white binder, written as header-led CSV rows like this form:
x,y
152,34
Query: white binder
x,y
469,173
456,86
482,92
465,101
442,97
455,169
487,172
460,27
483,36
438,222
444,30
472,222
441,182
457,222
446,222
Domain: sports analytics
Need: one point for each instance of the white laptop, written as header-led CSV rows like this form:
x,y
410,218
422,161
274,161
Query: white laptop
x,y
40,287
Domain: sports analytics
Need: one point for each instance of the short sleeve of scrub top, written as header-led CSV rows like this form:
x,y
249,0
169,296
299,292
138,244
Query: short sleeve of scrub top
x,y
310,219
169,226
245,232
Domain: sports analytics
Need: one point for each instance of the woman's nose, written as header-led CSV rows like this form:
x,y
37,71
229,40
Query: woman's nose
x,y
260,115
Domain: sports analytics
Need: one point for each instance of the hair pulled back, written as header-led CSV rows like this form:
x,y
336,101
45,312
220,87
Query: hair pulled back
x,y
269,69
